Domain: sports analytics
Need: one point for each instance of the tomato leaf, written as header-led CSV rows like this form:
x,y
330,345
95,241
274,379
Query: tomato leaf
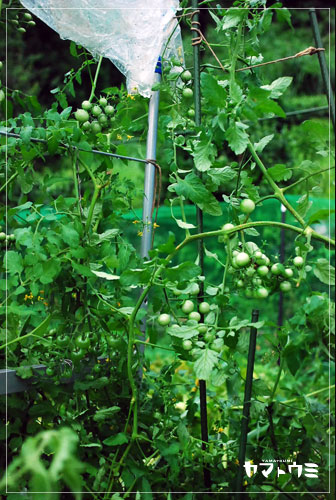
x,y
205,363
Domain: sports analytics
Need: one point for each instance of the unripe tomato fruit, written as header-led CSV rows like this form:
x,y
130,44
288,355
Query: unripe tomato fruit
x,y
242,259
3,236
195,316
86,105
109,110
227,227
247,206
240,283
95,127
262,270
250,271
103,102
191,113
276,269
217,345
83,341
186,76
288,272
164,319
103,120
96,110
81,115
204,307
187,93
285,286
298,261
86,126
188,307
261,292
195,289
62,340
27,16
0,65
202,328
209,337
187,345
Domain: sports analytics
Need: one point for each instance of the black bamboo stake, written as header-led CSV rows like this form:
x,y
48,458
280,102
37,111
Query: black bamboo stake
x,y
199,217
323,65
247,405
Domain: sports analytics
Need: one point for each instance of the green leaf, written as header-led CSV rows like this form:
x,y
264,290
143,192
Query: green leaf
x,y
212,91
187,270
70,235
105,413
236,92
322,214
13,262
25,134
205,363
221,175
303,205
118,439
192,188
267,106
237,138
183,331
106,276
325,272
259,146
204,153
278,86
232,19
280,172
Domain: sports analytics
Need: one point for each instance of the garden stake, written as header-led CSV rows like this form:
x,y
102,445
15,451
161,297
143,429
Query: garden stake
x,y
199,216
323,65
247,404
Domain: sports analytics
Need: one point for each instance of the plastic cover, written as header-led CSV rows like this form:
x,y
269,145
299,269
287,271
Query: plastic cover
x,y
132,34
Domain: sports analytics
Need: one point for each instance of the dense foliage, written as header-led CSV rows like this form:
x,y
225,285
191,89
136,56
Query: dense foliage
x,y
125,341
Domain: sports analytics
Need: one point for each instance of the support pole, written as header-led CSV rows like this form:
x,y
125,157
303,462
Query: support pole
x,y
199,218
148,200
247,405
323,65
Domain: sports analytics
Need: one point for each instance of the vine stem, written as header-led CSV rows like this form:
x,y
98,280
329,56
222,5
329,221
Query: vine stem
x,y
307,177
276,383
277,191
95,79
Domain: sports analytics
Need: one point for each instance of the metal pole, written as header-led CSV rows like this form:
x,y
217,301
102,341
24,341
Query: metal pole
x,y
323,65
199,217
247,404
148,200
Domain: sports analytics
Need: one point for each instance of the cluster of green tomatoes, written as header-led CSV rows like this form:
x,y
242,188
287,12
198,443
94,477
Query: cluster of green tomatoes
x,y
207,334
22,21
6,239
187,92
95,117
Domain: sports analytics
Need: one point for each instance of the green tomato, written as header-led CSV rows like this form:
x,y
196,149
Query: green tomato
x,y
96,110
202,328
81,115
95,127
49,371
96,368
103,120
191,113
3,236
112,341
86,126
242,259
109,110
86,105
194,315
204,307
240,283
63,340
247,206
276,269
186,76
209,336
298,261
217,345
77,355
83,341
262,270
227,227
187,93
27,16
164,319
103,102
285,286
288,272
187,345
257,281
188,307
262,292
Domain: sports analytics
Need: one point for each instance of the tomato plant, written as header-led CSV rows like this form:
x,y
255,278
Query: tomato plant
x,y
135,349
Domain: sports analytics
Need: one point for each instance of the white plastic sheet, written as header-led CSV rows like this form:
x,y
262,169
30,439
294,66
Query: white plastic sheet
x,y
131,33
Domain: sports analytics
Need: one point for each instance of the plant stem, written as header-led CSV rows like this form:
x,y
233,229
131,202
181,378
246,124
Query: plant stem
x,y
95,79
276,383
92,206
306,177
154,345
277,191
